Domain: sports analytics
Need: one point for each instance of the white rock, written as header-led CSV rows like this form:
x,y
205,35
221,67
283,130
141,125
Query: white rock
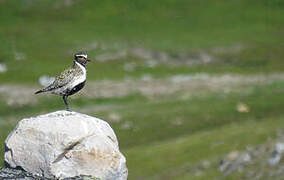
x,y
46,80
275,159
277,154
66,144
279,147
3,68
245,158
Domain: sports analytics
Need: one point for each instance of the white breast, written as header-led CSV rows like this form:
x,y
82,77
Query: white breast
x,y
80,78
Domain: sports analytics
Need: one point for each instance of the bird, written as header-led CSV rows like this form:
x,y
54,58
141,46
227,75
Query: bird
x,y
71,80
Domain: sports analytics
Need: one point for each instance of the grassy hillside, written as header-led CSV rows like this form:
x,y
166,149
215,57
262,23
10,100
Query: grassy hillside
x,y
170,133
178,56
48,32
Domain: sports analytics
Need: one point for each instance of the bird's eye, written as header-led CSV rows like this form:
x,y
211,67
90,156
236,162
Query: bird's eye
x,y
79,56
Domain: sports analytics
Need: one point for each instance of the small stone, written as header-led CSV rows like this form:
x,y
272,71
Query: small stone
x,y
279,147
233,155
276,154
242,108
245,157
3,68
114,117
223,165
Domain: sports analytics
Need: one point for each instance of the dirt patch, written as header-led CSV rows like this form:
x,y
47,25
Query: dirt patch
x,y
191,84
118,51
188,84
17,94
174,58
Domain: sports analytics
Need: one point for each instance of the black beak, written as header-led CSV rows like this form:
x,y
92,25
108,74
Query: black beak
x,y
88,60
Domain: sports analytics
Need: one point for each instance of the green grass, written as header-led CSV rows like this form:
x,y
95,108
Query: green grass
x,y
175,159
196,113
156,146
48,35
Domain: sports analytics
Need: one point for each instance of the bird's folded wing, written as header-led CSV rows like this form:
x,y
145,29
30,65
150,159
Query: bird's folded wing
x,y
64,78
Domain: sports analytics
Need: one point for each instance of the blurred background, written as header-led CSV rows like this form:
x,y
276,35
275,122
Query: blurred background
x,y
193,89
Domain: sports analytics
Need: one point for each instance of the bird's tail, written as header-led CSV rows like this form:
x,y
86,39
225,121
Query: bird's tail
x,y
48,88
40,91
43,90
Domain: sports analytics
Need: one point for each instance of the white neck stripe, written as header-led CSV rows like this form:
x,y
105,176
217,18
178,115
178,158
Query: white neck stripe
x,y
83,55
81,66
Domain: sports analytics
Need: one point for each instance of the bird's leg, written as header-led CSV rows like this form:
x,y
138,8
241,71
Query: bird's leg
x,y
66,102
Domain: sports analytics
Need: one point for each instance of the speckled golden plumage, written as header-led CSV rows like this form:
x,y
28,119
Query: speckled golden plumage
x,y
71,80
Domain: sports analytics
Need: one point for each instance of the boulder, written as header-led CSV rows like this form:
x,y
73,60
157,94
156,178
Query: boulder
x,y
65,144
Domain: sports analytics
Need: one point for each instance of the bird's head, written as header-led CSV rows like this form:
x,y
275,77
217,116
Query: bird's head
x,y
81,58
